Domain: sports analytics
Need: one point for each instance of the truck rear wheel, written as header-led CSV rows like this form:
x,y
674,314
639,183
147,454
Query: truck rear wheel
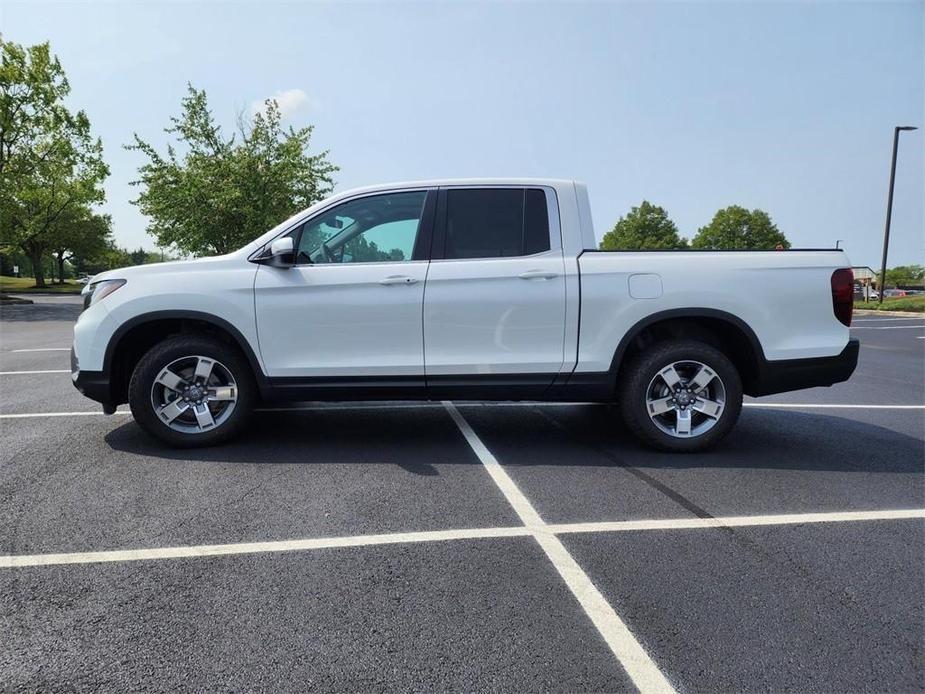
x,y
191,391
681,396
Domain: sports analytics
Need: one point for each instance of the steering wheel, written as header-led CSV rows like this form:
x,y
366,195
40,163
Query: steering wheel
x,y
326,252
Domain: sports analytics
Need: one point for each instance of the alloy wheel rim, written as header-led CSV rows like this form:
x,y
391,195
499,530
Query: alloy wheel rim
x,y
685,399
194,394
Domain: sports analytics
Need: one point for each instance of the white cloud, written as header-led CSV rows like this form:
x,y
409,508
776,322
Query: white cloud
x,y
289,101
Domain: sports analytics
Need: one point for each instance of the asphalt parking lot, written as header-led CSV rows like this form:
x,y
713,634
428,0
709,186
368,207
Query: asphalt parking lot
x,y
432,546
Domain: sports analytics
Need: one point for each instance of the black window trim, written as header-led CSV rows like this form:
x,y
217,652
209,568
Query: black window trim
x,y
422,240
425,228
438,248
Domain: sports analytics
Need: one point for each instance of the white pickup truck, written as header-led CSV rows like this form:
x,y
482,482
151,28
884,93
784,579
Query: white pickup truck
x,y
462,289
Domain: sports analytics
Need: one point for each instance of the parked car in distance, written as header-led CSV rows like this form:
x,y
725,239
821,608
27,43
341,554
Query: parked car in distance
x,y
462,289
894,293
83,279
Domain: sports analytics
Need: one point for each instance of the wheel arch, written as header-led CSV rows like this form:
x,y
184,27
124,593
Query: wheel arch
x,y
137,335
721,329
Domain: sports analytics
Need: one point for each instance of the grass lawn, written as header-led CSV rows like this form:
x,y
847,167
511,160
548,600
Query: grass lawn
x,y
26,285
902,303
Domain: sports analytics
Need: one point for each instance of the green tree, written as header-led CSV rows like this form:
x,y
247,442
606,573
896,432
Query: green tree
x,y
222,192
77,235
110,258
736,228
905,275
646,227
158,256
50,165
139,256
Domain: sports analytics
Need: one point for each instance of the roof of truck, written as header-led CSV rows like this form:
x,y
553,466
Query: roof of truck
x,y
431,183
556,183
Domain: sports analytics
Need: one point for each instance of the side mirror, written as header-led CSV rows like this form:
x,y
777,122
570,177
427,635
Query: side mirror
x,y
280,254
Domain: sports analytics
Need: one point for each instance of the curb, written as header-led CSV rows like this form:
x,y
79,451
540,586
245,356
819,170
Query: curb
x,y
903,314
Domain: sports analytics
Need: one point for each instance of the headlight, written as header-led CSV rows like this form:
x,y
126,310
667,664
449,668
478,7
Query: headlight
x,y
97,291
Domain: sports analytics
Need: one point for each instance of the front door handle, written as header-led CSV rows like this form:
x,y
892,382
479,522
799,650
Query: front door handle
x,y
538,275
398,279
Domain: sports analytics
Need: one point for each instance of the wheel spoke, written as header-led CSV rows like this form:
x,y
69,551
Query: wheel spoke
x,y
703,377
222,393
171,381
170,412
683,422
203,416
659,406
194,394
203,369
710,408
670,376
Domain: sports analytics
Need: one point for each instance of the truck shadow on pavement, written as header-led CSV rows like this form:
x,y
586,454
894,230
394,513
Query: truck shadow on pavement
x,y
416,440
768,439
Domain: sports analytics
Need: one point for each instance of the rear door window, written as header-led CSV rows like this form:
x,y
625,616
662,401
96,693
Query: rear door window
x,y
495,222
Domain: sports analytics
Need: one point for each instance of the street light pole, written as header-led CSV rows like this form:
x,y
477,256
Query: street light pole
x,y
889,209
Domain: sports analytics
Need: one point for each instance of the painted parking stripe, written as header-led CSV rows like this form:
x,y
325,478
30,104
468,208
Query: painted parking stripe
x,y
641,669
736,521
44,349
889,327
430,405
46,371
193,551
830,406
31,415
20,561
884,320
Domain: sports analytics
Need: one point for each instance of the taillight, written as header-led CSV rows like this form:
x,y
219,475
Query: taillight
x,y
843,294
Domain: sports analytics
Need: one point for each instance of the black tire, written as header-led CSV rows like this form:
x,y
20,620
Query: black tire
x,y
641,376
179,347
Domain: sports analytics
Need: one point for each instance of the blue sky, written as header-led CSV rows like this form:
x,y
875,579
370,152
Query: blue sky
x,y
694,106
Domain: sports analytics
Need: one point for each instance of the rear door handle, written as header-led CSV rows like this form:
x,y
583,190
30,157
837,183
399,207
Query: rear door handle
x,y
398,279
538,275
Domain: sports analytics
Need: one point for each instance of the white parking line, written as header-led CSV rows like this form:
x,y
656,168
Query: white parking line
x,y
47,371
305,544
889,327
830,406
24,560
736,521
628,651
30,415
884,320
431,405
44,349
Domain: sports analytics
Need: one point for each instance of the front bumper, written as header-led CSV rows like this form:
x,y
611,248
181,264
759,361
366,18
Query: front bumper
x,y
796,374
93,384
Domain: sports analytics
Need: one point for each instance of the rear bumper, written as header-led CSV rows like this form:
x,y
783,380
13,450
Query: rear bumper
x,y
92,384
796,374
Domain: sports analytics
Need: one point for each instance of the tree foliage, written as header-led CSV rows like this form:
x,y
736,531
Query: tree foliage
x,y
905,275
210,194
646,227
50,165
736,228
78,235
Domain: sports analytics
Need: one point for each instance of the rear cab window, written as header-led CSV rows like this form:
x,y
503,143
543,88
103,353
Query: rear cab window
x,y
492,223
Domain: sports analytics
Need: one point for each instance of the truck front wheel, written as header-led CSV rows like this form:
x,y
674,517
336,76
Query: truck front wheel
x,y
681,396
192,390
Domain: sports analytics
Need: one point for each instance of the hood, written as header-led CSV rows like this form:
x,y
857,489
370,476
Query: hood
x,y
151,269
